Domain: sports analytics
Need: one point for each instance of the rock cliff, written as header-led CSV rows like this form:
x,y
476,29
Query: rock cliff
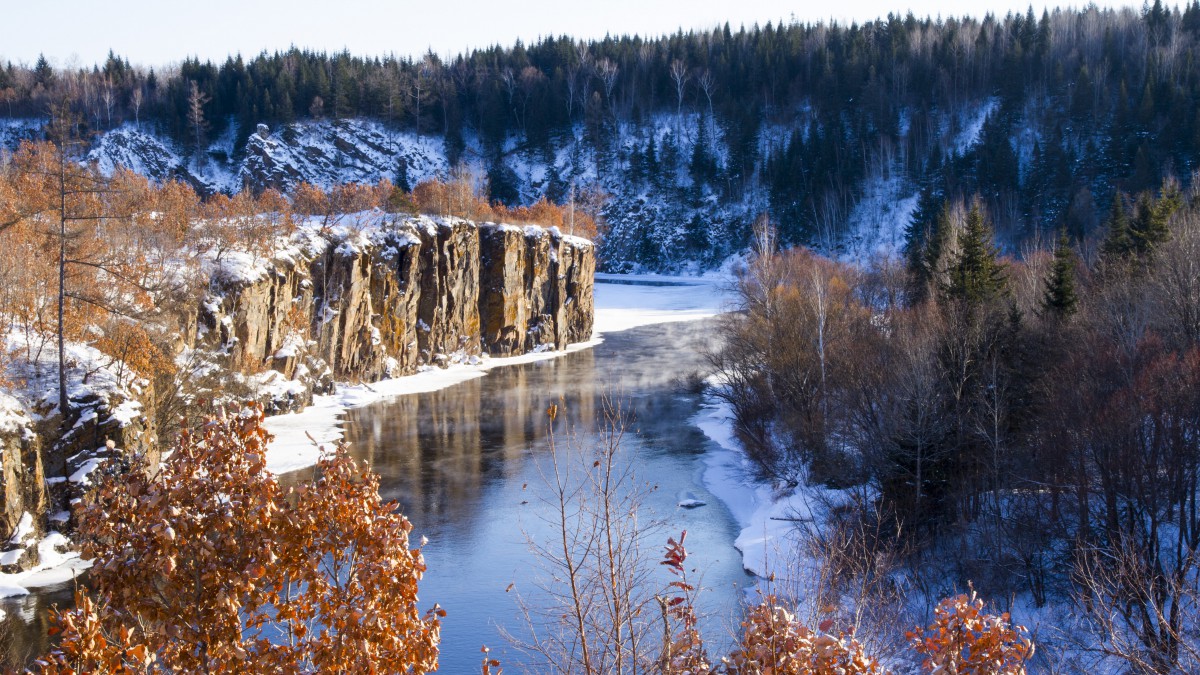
x,y
386,295
371,297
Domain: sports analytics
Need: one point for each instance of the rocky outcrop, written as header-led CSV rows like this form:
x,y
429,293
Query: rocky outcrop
x,y
45,463
378,296
537,289
385,297
22,486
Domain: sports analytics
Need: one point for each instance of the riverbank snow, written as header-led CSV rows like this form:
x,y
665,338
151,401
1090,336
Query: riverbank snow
x,y
58,566
773,518
622,302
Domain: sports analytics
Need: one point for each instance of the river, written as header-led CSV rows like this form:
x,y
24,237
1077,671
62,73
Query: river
x,y
464,463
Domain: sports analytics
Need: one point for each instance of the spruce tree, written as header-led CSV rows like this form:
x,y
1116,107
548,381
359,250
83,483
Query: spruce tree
x,y
1060,300
977,277
1118,243
1150,225
926,242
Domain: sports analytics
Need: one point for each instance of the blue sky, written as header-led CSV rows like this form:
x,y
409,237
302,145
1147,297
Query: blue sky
x,y
157,32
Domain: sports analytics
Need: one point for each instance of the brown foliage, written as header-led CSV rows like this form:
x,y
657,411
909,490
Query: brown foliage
x,y
133,347
965,640
775,642
209,565
463,196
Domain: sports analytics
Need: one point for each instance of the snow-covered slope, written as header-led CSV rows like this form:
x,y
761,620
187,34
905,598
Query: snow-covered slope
x,y
342,151
660,215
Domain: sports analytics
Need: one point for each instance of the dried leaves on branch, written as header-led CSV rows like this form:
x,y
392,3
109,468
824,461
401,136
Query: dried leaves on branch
x,y
209,565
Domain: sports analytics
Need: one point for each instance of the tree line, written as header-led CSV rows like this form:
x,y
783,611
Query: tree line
x,y
1085,101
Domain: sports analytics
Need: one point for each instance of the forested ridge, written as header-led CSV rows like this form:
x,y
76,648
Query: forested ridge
x,y
791,118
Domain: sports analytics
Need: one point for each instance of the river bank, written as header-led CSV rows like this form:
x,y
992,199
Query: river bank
x,y
622,302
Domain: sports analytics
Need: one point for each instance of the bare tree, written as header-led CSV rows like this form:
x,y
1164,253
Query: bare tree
x,y
679,75
592,613
137,99
422,82
606,70
196,117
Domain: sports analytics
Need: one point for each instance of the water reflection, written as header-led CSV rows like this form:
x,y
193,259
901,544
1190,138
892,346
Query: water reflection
x,y
24,630
464,465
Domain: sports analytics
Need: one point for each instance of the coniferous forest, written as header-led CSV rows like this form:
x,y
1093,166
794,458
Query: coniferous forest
x,y
713,127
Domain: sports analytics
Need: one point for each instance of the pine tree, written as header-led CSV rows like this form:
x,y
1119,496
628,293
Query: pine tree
x,y
977,276
1060,300
43,72
1118,244
1150,225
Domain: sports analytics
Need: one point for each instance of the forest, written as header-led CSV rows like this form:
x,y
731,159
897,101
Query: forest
x,y
790,118
1027,425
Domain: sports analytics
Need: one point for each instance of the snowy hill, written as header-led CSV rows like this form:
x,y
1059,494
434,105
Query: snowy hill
x,y
663,213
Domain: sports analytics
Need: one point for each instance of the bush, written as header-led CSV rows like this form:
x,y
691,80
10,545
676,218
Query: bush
x,y
209,565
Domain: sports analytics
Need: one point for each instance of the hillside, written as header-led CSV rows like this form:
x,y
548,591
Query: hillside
x,y
839,133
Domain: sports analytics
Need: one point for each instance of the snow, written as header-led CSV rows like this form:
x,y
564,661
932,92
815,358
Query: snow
x,y
877,223
34,368
12,414
342,151
768,514
55,567
126,412
619,306
143,153
24,528
622,304
88,466
240,268
972,125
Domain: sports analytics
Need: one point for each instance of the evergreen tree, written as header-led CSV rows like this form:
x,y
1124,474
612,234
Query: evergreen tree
x,y
43,72
1060,300
926,242
702,166
977,276
1149,227
401,178
1118,243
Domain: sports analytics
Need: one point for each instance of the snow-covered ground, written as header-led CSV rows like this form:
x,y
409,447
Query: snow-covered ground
x,y
772,518
58,566
878,222
108,390
622,302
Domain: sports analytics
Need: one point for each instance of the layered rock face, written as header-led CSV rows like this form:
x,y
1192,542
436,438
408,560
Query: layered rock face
x,y
381,297
382,300
22,485
45,461
537,289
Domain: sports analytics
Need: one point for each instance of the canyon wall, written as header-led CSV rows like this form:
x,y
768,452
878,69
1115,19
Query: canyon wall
x,y
371,297
386,299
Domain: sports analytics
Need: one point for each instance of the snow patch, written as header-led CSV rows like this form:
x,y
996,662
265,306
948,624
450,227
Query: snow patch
x,y
58,565
24,528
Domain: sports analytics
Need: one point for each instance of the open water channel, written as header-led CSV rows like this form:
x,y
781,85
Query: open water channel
x,y
467,465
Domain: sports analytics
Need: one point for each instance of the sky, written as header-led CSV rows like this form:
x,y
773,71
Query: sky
x,y
160,32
